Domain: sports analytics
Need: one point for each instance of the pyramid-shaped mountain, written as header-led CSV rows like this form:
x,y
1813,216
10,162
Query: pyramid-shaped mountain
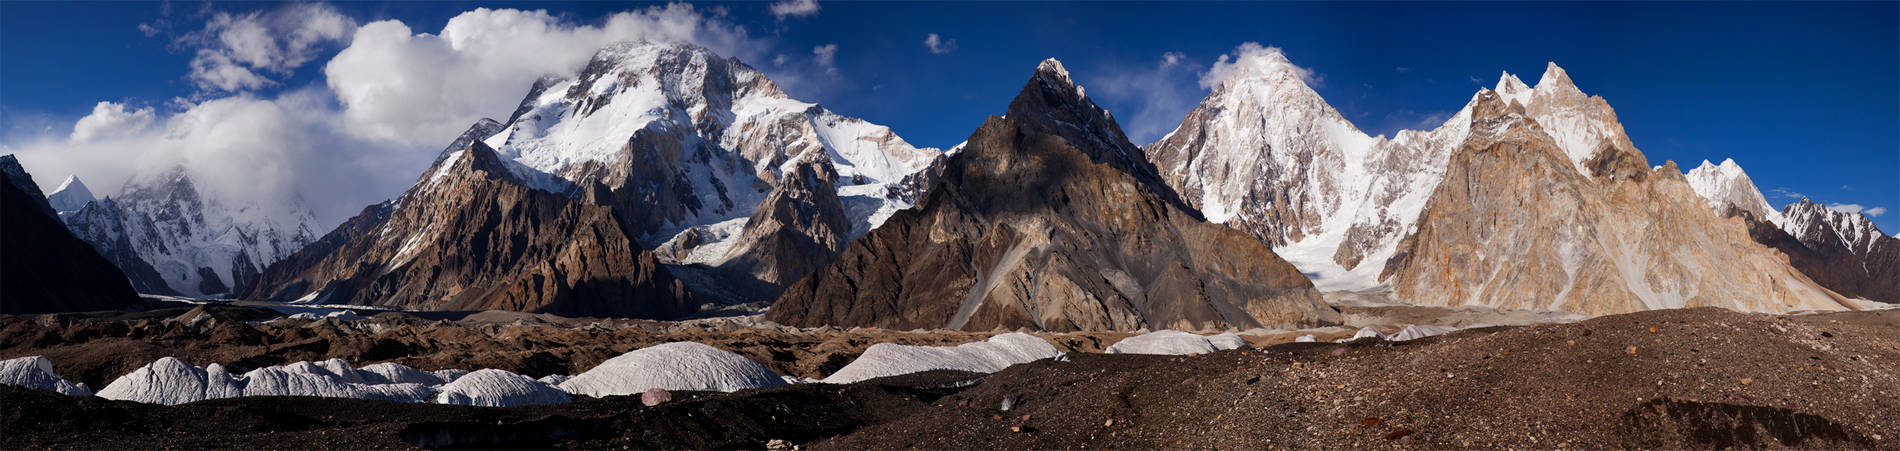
x,y
1048,218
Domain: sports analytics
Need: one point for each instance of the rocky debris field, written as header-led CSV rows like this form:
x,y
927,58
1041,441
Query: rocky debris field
x,y
1664,379
96,348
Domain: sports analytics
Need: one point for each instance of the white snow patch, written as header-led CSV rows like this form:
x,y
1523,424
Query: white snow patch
x,y
1001,351
672,366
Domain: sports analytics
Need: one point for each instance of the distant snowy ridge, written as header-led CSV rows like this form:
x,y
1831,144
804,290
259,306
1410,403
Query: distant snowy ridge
x,y
197,244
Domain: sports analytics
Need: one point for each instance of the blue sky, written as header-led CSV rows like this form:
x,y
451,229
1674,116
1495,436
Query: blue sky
x,y
1806,96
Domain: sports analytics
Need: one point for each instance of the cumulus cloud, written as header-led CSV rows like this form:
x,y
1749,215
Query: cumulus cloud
x,y
110,120
938,45
1253,59
1857,208
233,49
1154,97
390,99
794,8
398,84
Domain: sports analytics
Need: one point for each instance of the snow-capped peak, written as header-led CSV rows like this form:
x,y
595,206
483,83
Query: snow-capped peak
x,y
70,196
1054,66
1726,185
1511,88
1804,219
1553,76
1579,123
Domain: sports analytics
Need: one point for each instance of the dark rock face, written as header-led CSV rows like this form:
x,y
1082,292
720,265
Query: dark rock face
x,y
796,230
1049,219
474,238
43,267
1842,251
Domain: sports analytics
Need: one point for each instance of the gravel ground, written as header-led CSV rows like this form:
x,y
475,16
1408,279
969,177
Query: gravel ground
x,y
1701,378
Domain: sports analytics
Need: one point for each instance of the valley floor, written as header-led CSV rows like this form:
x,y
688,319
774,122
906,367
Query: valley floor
x,y
1668,379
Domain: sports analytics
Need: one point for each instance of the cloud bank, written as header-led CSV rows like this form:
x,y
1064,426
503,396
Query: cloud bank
x,y
389,99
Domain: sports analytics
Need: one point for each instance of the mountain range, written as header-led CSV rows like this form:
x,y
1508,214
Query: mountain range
x,y
662,180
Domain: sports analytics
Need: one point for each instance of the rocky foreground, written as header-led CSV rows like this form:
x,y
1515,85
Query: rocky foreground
x,y
1671,379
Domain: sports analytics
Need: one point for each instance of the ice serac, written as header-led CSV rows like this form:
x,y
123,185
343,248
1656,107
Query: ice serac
x,y
474,236
672,366
988,356
36,372
1514,225
43,267
1048,218
172,238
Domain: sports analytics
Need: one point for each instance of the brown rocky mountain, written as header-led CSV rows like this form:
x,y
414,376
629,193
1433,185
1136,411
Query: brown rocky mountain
x,y
43,267
480,239
1515,225
1048,218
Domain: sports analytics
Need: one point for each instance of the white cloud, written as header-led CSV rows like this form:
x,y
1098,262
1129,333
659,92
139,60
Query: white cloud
x,y
243,151
391,98
1155,97
826,57
794,8
110,120
1252,59
400,85
1784,192
1401,69
1857,208
938,45
233,49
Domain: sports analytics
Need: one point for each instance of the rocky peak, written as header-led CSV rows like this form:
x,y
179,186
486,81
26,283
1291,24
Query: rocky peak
x,y
20,179
1554,76
1809,221
1511,88
482,128
71,195
1051,103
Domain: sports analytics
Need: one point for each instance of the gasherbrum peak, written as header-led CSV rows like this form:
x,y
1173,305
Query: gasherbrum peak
x,y
1102,244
